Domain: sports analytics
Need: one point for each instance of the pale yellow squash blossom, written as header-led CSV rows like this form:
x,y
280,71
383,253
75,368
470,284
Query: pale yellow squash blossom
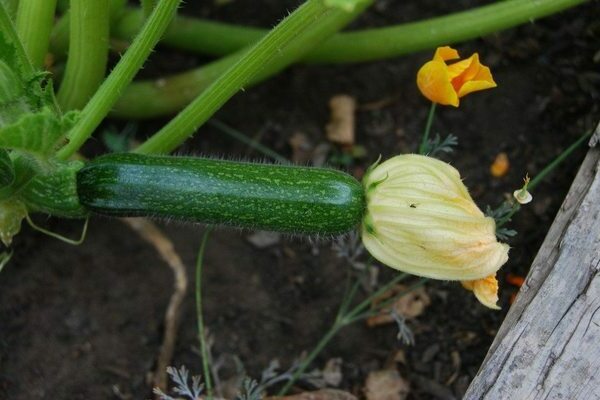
x,y
421,219
446,84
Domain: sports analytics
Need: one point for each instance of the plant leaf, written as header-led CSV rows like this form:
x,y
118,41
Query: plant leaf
x,y
37,134
7,171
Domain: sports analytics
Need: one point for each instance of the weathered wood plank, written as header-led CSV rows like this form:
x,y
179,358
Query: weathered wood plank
x,y
548,347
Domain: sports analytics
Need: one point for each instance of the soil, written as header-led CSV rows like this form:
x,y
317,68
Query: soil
x,y
86,322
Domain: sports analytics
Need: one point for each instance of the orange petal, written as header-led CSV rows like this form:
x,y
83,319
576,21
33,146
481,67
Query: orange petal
x,y
486,290
434,83
445,53
475,86
458,68
484,74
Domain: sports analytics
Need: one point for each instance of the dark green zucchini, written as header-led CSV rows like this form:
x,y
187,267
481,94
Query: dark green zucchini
x,y
260,196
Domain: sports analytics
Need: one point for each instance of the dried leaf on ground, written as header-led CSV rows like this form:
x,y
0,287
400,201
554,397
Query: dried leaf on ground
x,y
409,306
340,128
323,394
332,373
386,384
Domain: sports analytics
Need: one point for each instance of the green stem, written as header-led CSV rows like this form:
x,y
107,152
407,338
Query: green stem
x,y
342,319
147,7
8,32
290,39
88,53
333,330
200,36
168,95
35,19
201,332
425,141
11,7
558,160
544,172
59,40
108,93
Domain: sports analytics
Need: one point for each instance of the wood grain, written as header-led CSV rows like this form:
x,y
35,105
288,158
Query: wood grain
x,y
549,344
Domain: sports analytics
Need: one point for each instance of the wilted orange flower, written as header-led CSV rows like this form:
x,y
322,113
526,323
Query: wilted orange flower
x,y
486,290
446,84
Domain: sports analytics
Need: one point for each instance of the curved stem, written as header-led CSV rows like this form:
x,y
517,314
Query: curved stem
x,y
88,53
299,32
170,94
217,38
108,93
35,19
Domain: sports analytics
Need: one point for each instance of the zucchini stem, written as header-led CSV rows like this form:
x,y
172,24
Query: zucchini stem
x,y
35,19
170,94
88,53
108,93
309,24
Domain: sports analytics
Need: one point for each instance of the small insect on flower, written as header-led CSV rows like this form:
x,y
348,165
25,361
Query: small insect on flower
x,y
446,84
421,219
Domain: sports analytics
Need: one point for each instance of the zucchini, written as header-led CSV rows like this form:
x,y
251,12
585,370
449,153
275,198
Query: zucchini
x,y
259,196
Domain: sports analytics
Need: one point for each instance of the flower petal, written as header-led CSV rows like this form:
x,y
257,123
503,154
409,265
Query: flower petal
x,y
445,53
475,86
486,290
434,83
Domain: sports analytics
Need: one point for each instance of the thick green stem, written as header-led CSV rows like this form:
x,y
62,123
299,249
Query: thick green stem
x,y
88,53
168,95
288,41
59,40
108,93
11,7
218,38
35,19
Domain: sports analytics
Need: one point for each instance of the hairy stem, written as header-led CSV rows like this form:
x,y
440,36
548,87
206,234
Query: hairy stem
x,y
200,36
108,93
88,53
289,40
170,94
35,19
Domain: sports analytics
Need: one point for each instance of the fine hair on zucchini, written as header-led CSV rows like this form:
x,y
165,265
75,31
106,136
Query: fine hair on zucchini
x,y
303,200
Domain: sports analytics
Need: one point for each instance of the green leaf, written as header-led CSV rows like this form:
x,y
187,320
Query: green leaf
x,y
7,171
37,134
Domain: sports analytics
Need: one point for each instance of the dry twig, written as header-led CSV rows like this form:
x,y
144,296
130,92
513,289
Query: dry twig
x,y
153,235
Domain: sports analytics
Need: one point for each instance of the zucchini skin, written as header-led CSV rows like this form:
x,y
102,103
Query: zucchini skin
x,y
258,196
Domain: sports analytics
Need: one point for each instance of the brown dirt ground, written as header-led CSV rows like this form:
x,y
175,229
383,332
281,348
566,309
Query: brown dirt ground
x,y
78,322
